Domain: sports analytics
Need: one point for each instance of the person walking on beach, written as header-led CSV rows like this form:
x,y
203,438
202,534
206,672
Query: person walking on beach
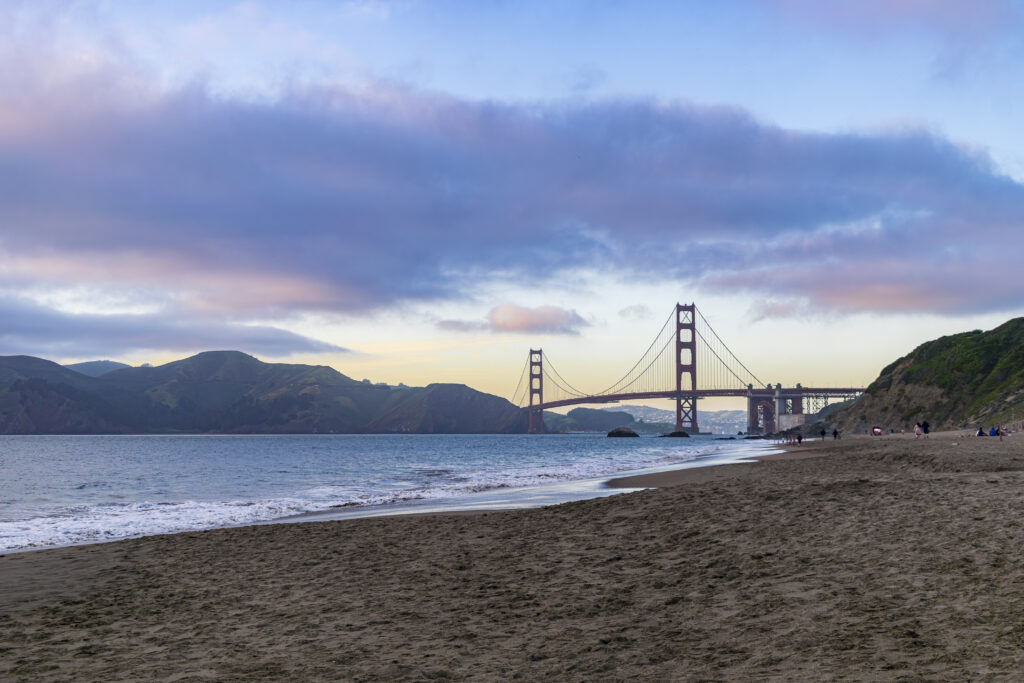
x,y
925,428
917,430
835,433
822,433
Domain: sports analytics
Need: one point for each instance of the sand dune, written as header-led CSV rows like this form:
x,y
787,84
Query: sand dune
x,y
881,559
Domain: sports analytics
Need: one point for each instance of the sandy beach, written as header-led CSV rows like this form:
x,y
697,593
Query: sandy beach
x,y
883,558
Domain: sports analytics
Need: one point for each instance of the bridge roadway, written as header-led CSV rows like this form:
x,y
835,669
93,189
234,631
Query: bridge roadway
x,y
772,393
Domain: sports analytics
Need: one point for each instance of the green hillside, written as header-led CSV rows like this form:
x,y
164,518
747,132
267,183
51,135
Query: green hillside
x,y
963,380
450,409
13,368
41,397
231,391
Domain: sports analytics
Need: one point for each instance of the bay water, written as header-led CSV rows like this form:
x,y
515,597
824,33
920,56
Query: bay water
x,y
64,490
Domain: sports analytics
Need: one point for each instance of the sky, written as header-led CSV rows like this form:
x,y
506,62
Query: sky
x,y
421,192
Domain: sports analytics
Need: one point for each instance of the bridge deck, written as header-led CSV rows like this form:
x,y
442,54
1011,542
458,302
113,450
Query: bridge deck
x,y
785,392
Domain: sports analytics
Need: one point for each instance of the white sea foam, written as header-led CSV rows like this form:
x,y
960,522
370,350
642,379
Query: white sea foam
x,y
111,522
105,522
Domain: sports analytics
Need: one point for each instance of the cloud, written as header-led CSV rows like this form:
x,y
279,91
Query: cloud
x,y
585,78
635,312
39,331
767,309
950,19
351,199
520,319
965,37
463,325
550,319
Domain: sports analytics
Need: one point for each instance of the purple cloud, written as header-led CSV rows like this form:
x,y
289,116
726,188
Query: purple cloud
x,y
520,319
343,200
952,19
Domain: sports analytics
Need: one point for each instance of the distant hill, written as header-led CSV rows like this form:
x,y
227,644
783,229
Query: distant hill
x,y
645,413
41,397
717,421
594,420
601,420
231,392
95,368
963,380
449,409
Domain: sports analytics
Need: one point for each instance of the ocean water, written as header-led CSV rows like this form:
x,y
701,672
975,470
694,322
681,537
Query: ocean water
x,y
63,490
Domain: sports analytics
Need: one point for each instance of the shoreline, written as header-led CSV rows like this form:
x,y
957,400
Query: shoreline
x,y
811,448
557,493
868,558
492,499
678,477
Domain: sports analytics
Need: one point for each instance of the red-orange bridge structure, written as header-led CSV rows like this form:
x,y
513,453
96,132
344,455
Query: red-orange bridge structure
x,y
686,361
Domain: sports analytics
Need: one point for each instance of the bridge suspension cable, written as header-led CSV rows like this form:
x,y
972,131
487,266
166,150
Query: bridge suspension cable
x,y
687,360
645,363
560,382
716,366
519,397
715,344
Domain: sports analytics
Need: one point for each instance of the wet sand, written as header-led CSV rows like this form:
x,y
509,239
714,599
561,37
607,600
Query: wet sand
x,y
693,475
877,559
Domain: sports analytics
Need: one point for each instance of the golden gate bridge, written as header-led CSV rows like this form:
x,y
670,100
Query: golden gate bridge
x,y
686,361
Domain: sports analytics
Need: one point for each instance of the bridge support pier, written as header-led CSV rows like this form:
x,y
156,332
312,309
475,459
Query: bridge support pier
x,y
686,414
780,403
761,412
751,411
775,409
789,412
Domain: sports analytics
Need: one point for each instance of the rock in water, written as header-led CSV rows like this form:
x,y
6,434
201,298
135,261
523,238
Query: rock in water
x,y
622,431
677,434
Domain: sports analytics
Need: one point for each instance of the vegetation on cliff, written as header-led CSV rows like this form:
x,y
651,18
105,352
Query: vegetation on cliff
x,y
962,380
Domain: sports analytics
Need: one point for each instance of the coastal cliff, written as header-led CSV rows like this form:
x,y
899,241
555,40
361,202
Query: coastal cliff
x,y
958,381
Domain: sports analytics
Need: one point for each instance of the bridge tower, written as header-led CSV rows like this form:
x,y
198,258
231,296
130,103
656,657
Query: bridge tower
x,y
686,367
536,391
